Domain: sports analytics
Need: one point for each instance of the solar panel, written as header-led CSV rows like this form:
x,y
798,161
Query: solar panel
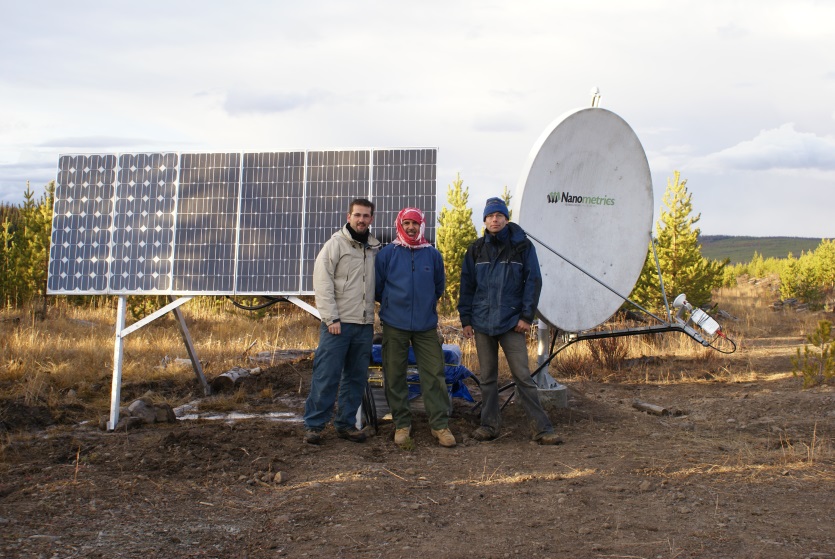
x,y
220,223
400,179
272,200
81,224
207,222
143,222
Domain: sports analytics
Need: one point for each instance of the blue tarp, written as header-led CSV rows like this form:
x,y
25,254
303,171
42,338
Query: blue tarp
x,y
455,372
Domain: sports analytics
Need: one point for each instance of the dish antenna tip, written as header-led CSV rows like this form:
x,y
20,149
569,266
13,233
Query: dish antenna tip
x,y
595,96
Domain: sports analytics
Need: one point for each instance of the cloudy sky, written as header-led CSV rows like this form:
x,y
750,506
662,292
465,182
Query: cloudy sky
x,y
738,96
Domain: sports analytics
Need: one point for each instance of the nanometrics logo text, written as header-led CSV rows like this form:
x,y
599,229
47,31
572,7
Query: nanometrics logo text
x,y
566,198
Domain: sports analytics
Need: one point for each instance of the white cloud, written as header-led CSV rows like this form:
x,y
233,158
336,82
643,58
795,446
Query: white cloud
x,y
498,122
92,143
246,102
778,148
731,31
479,79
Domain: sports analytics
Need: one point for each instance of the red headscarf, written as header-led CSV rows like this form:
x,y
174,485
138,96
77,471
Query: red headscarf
x,y
402,238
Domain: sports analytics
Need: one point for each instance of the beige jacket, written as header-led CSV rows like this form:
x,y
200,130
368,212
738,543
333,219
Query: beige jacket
x,y
343,279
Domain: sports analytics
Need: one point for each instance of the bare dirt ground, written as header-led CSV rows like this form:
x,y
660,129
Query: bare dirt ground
x,y
743,468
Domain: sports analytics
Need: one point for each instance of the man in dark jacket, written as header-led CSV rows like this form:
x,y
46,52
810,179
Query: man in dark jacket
x,y
409,281
500,285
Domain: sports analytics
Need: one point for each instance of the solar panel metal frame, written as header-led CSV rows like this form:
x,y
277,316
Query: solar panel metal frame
x,y
234,223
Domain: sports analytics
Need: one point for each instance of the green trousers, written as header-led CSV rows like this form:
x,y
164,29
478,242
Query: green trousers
x,y
430,362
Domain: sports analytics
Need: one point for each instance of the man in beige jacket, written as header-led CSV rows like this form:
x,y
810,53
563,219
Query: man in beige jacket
x,y
343,281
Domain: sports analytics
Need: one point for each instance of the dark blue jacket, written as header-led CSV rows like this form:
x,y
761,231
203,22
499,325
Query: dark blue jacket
x,y
500,282
408,284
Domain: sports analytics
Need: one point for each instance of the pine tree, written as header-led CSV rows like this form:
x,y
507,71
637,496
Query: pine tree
x,y
683,268
31,251
7,276
801,279
9,226
824,257
455,233
506,197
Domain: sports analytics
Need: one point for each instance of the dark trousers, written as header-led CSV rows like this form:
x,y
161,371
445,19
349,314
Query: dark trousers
x,y
430,363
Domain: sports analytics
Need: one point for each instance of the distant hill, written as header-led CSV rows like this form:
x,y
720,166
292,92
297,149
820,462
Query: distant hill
x,y
741,249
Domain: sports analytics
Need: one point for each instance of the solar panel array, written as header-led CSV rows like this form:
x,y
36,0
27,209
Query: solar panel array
x,y
220,223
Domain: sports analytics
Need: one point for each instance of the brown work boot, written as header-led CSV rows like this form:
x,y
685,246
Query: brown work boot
x,y
352,434
401,436
484,434
445,437
313,437
549,439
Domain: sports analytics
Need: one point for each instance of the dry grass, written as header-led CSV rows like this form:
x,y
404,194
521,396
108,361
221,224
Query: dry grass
x,y
67,360
674,357
70,354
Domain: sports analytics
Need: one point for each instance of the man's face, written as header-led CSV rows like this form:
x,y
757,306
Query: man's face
x,y
360,218
411,227
495,222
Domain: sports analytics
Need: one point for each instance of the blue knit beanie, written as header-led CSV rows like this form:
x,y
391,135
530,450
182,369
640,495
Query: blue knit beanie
x,y
496,205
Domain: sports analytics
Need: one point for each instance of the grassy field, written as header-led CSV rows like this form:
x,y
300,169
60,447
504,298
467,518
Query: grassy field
x,y
742,464
741,249
68,357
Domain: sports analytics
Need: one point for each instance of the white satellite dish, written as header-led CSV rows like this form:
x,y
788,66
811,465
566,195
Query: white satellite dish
x,y
586,194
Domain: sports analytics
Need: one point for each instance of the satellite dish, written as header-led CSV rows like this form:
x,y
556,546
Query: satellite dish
x,y
586,194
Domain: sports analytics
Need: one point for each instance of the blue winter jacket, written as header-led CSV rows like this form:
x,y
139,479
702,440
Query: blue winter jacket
x,y
500,282
408,284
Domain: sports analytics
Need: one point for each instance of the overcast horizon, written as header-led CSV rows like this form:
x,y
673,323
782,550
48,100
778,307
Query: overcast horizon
x,y
737,96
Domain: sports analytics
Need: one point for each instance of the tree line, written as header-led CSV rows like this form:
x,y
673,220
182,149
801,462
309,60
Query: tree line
x,y
25,233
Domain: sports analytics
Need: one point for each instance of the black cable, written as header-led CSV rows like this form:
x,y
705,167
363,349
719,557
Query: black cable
x,y
716,348
270,301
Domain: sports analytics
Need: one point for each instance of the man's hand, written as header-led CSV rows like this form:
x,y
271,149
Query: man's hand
x,y
468,332
335,328
522,327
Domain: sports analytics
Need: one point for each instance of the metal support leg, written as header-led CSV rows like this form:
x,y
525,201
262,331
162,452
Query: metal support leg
x,y
118,351
192,354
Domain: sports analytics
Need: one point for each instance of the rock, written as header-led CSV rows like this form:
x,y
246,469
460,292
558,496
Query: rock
x,y
164,413
128,422
142,410
280,477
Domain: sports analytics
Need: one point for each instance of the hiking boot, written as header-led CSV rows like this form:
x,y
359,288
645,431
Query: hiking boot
x,y
484,434
549,438
445,437
352,434
401,436
313,437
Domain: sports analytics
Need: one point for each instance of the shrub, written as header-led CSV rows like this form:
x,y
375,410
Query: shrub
x,y
817,365
609,352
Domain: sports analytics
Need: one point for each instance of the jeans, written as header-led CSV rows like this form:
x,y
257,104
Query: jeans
x,y
515,347
430,361
340,364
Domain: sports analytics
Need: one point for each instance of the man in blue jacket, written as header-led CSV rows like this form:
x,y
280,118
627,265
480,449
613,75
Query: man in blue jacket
x,y
409,281
500,286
